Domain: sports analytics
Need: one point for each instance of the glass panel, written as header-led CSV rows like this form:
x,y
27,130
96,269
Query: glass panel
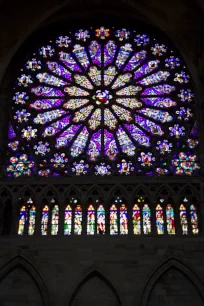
x,y
44,220
170,220
68,220
78,220
194,220
90,220
101,220
136,220
113,220
159,220
146,219
123,220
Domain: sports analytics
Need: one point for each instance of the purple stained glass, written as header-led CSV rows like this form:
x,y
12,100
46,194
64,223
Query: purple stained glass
x,y
117,100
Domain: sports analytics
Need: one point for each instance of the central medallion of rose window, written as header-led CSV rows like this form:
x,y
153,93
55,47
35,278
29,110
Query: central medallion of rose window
x,y
102,97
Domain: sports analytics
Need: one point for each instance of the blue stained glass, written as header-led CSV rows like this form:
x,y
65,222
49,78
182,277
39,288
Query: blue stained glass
x,y
115,101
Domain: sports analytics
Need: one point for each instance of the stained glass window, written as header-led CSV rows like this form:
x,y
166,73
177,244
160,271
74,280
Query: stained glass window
x,y
194,219
55,220
23,219
170,219
83,99
101,221
159,220
44,220
90,220
68,220
183,219
32,216
78,220
146,214
123,220
113,220
136,220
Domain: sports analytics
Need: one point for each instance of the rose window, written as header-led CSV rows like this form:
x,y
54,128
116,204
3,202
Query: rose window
x,y
103,98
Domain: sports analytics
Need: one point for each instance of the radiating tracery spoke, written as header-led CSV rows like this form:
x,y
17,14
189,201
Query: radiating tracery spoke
x,y
103,92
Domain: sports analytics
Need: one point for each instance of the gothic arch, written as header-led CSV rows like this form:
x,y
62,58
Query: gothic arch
x,y
71,189
89,273
176,263
186,187
22,262
90,192
121,189
9,196
46,190
28,189
167,188
143,188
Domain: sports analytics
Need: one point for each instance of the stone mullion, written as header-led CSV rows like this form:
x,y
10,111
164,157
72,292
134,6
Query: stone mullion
x,y
61,204
84,205
164,217
15,215
129,212
106,206
176,206
153,218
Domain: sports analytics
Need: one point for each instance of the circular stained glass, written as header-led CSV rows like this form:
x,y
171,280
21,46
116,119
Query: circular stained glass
x,y
100,96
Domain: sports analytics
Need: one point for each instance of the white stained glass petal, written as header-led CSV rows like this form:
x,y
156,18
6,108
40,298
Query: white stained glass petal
x,y
47,91
129,91
69,62
49,116
75,103
83,81
129,102
64,139
83,113
122,80
95,52
110,146
126,143
109,119
146,68
79,143
56,127
122,113
95,119
50,79
109,52
95,75
136,60
109,75
140,137
156,114
155,78
81,55
46,104
75,91
159,102
158,90
149,126
94,148
123,55
59,70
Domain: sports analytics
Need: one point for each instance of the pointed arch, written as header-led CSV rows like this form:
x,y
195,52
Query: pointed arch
x,y
188,188
26,265
95,190
139,188
165,188
48,190
176,263
5,192
93,271
71,189
26,192
115,189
